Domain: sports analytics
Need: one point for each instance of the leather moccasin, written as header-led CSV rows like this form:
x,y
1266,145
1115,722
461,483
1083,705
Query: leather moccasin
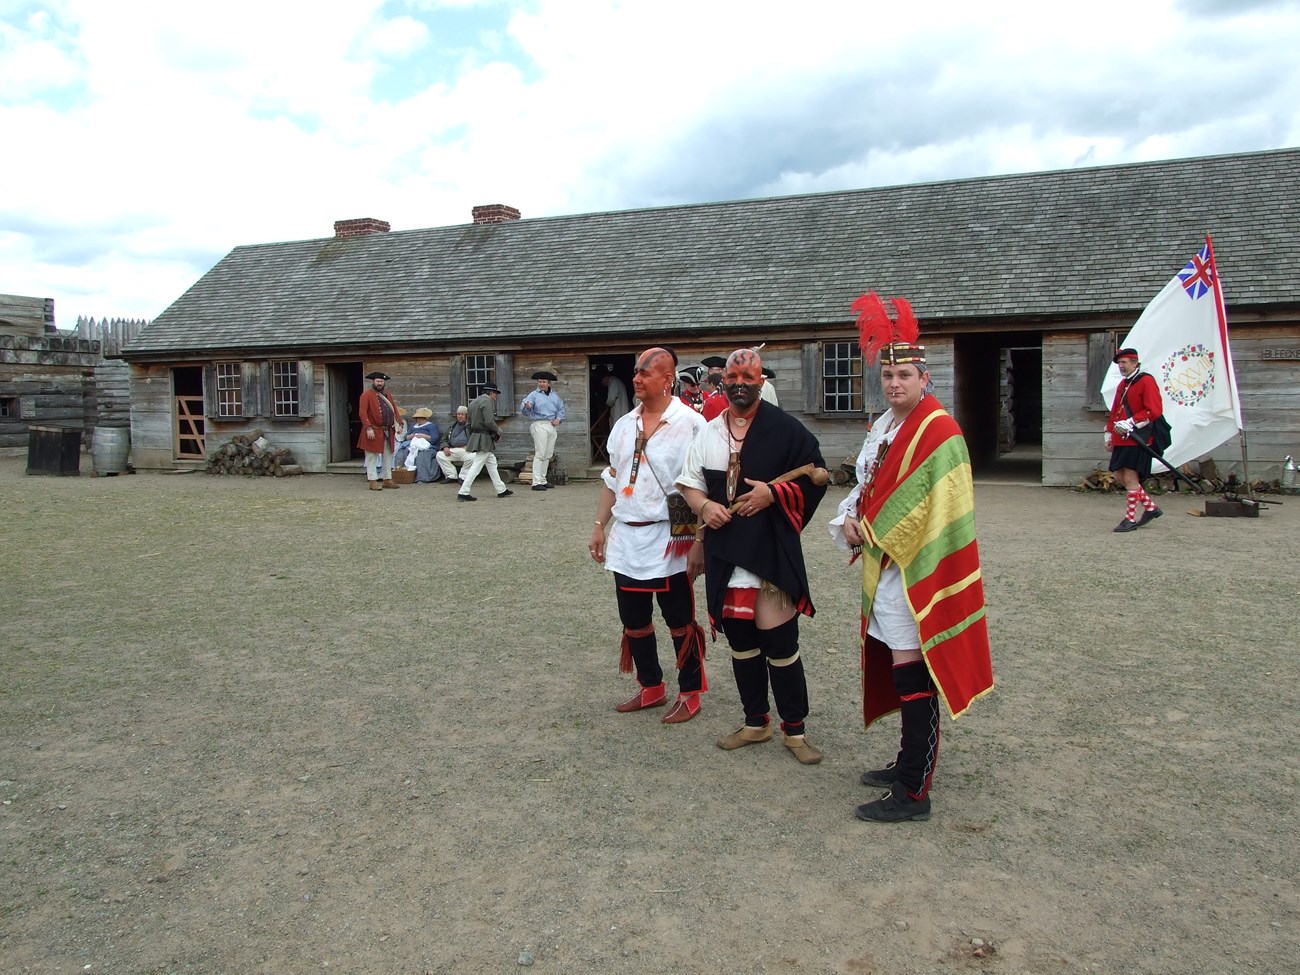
x,y
686,707
802,749
646,697
746,735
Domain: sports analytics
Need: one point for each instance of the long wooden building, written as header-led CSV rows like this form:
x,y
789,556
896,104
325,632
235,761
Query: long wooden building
x,y
1023,285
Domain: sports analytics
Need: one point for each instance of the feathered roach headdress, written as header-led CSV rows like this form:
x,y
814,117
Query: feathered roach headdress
x,y
892,340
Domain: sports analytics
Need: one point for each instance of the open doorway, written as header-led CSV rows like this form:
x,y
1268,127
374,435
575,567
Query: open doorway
x,y
998,400
345,387
606,374
188,426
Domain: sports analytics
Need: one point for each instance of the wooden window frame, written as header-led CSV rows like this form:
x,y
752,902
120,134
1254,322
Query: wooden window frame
x,y
285,388
228,390
501,371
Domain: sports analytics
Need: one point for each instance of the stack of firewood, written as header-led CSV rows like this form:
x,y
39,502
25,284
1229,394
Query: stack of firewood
x,y
1204,473
252,454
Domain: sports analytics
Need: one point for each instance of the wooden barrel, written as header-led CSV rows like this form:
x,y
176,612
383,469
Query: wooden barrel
x,y
111,447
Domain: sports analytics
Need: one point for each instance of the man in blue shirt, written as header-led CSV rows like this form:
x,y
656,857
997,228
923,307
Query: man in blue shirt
x,y
545,409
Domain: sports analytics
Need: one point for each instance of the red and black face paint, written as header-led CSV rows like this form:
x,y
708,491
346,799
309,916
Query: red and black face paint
x,y
743,379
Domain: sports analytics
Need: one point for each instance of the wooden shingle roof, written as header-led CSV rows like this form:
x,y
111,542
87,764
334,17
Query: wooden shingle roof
x,y
1058,244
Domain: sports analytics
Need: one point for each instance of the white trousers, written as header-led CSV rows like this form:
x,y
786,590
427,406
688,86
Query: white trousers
x,y
379,466
544,435
481,459
447,462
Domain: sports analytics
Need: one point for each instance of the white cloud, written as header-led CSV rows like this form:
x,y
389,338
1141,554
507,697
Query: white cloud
x,y
162,135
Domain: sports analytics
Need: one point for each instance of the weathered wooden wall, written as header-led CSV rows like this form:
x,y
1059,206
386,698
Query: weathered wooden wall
x,y
47,380
1071,429
26,316
1267,361
152,421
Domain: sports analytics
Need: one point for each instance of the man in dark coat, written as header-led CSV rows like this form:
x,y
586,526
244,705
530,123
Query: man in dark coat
x,y
483,436
755,581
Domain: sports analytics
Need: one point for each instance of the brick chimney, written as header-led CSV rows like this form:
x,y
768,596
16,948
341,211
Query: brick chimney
x,y
363,227
495,213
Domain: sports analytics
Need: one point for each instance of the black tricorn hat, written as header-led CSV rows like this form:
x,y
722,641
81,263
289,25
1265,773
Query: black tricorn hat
x,y
546,374
714,362
769,373
1126,353
377,375
491,388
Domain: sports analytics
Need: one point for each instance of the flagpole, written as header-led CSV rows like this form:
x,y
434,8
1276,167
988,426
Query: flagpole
x,y
1229,371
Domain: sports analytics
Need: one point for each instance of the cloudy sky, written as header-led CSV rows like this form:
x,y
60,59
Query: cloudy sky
x,y
141,140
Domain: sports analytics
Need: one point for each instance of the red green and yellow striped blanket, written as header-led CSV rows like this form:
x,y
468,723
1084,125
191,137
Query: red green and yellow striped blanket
x,y
919,512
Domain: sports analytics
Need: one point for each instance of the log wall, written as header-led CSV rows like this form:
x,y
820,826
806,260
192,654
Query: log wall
x,y
1267,361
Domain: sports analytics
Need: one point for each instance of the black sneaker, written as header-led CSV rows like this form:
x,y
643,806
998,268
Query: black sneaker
x,y
880,778
507,493
1126,526
1148,516
466,497
895,806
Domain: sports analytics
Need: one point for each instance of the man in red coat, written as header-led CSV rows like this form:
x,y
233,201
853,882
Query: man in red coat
x,y
378,413
1137,404
715,400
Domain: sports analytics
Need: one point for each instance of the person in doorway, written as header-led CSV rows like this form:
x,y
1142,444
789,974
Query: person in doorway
x,y
546,410
616,400
454,448
911,517
378,413
1136,406
755,581
634,539
484,432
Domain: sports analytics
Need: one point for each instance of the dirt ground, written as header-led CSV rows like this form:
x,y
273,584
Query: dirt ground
x,y
290,726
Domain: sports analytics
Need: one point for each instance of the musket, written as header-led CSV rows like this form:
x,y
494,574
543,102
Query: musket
x,y
1160,457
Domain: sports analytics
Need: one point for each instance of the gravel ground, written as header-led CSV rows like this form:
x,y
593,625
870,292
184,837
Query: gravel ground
x,y
283,726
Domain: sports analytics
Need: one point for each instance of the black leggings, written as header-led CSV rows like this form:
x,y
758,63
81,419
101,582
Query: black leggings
x,y
676,596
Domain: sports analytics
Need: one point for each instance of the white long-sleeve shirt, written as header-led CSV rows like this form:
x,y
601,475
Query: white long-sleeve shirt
x,y
891,619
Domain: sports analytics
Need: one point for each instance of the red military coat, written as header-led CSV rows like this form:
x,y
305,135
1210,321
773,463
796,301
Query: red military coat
x,y
377,416
1143,393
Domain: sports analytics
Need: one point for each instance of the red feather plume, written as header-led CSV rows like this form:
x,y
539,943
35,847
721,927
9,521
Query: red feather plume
x,y
876,329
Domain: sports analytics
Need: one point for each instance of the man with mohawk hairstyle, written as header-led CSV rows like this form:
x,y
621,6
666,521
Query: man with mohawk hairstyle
x,y
652,554
748,476
912,518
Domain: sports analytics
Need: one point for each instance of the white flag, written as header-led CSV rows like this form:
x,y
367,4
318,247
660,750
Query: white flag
x,y
1182,341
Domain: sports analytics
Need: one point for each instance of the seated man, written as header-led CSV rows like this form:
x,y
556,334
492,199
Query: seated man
x,y
454,446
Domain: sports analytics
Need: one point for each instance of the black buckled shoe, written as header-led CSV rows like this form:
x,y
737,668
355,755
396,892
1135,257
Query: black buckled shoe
x,y
880,778
466,497
1149,516
895,806
1126,526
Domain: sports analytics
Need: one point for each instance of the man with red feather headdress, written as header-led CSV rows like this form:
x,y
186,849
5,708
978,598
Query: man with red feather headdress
x,y
912,518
